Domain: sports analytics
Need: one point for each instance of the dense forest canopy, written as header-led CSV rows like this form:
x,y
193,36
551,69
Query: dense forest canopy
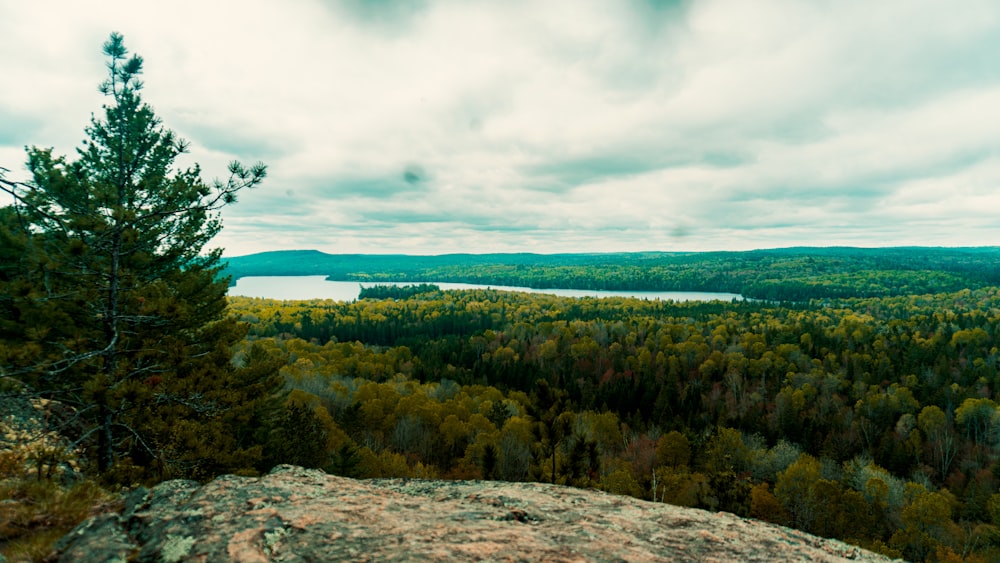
x,y
791,274
867,419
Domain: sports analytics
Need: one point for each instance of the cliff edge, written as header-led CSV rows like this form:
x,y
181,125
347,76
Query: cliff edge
x,y
295,514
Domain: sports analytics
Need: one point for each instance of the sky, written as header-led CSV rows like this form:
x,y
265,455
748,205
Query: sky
x,y
439,126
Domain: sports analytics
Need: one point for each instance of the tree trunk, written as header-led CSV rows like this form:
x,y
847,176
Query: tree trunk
x,y
105,442
553,464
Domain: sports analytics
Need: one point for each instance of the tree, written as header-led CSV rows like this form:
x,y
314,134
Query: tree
x,y
926,523
553,424
673,449
765,506
725,451
490,457
979,417
345,461
113,303
941,439
796,489
298,438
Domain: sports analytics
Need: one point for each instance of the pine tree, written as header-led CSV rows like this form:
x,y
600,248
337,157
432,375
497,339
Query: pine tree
x,y
112,304
298,438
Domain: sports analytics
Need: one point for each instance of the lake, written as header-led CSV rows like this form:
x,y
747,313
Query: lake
x,y
317,287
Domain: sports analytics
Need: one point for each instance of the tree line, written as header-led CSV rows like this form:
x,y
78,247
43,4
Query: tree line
x,y
796,274
869,420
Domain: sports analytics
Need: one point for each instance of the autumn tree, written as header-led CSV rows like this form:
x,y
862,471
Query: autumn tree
x,y
114,306
941,439
926,523
673,450
796,490
765,506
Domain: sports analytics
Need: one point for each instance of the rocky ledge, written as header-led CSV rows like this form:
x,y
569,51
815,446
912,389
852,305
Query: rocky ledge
x,y
295,514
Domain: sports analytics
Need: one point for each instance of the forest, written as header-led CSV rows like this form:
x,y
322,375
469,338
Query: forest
x,y
786,274
871,420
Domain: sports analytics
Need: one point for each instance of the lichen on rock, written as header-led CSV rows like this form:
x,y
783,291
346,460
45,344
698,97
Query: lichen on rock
x,y
295,514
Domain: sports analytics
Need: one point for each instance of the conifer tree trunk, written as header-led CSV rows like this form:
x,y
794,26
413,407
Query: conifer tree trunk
x,y
105,449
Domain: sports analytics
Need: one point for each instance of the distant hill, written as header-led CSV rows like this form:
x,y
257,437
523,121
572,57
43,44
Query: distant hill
x,y
314,262
783,273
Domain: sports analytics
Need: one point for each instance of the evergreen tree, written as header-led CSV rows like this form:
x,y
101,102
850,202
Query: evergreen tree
x,y
554,421
490,459
112,304
298,438
345,461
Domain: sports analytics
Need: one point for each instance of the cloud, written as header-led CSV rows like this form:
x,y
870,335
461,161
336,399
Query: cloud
x,y
15,127
384,16
439,126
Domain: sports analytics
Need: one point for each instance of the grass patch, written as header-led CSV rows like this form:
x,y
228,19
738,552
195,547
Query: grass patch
x,y
36,513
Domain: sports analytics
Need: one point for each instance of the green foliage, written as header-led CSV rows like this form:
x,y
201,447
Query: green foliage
x,y
298,438
684,488
814,415
553,422
345,461
673,450
796,490
490,459
725,452
794,274
842,513
113,306
396,291
926,524
621,482
37,512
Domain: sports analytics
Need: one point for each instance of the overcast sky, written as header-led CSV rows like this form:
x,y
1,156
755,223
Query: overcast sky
x,y
468,126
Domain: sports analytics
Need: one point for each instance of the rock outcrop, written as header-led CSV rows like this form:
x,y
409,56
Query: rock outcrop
x,y
295,514
33,437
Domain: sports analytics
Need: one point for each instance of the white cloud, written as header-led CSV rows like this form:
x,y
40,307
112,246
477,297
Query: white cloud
x,y
565,126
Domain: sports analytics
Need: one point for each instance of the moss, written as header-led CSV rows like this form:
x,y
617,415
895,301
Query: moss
x,y
271,539
176,549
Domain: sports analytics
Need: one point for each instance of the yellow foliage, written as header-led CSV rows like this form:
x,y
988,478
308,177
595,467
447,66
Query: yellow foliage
x,y
384,464
795,489
621,482
682,488
673,449
765,506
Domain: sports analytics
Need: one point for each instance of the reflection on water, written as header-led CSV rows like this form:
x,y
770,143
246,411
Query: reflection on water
x,y
317,287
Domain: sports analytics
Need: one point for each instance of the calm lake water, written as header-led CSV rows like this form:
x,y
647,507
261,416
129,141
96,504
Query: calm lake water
x,y
317,287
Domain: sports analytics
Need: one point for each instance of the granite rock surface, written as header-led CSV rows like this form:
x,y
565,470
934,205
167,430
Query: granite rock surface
x,y
295,514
